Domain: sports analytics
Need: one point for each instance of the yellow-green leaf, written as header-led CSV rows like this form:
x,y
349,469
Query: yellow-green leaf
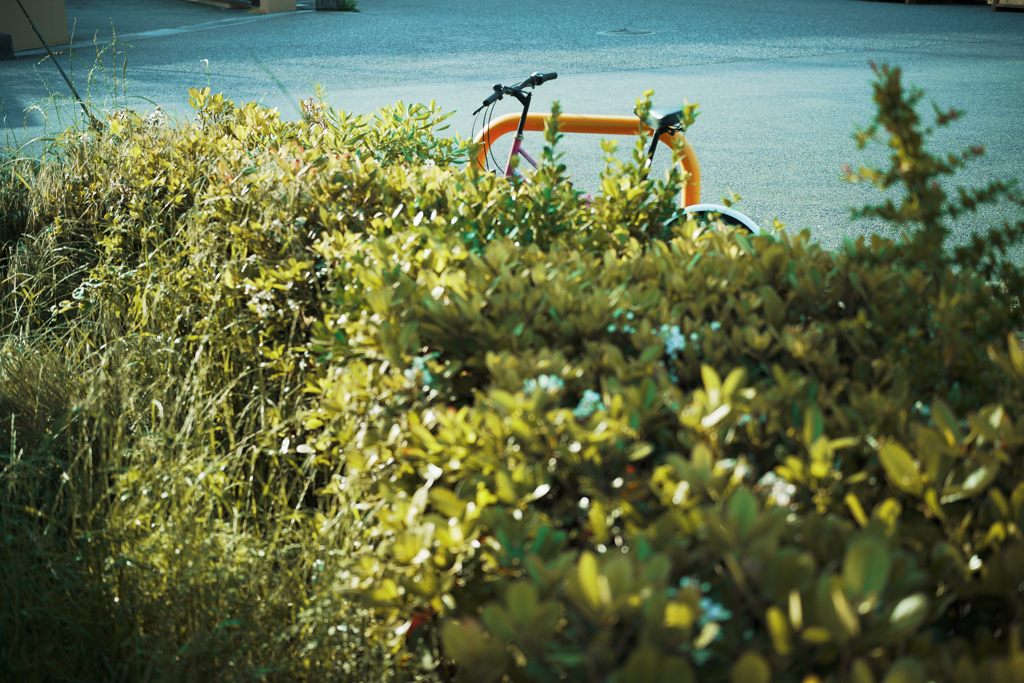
x,y
906,670
446,502
522,601
860,671
679,615
888,512
814,424
483,659
947,423
712,383
1016,355
976,482
856,509
901,469
586,572
843,609
778,630
597,516
750,668
736,379
1017,500
931,499
866,565
741,511
907,617
702,458
639,450
816,635
774,308
821,457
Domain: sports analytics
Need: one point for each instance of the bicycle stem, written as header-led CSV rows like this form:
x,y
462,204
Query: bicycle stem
x,y
650,152
524,99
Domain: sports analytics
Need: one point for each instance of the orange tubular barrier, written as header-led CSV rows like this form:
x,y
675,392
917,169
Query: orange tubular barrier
x,y
598,125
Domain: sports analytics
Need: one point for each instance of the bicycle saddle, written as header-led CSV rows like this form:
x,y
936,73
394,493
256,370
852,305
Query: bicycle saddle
x,y
663,117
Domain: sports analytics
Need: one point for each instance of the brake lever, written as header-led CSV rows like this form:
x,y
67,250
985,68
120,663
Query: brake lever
x,y
496,96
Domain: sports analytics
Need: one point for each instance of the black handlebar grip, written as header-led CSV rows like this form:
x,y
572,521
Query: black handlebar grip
x,y
537,78
491,99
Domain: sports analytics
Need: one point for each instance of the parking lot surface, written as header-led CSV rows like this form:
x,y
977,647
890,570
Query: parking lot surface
x,y
782,83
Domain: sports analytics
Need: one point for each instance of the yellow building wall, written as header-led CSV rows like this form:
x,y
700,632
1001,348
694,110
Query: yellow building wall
x,y
271,6
49,16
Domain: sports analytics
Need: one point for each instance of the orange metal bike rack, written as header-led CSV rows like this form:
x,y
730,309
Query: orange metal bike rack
x,y
597,125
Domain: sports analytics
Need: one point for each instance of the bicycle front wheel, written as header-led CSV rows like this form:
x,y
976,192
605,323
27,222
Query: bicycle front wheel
x,y
708,215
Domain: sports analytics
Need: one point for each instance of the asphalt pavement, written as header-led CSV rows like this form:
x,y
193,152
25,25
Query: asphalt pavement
x,y
782,83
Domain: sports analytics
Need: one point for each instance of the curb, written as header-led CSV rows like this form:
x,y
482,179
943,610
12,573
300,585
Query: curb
x,y
223,4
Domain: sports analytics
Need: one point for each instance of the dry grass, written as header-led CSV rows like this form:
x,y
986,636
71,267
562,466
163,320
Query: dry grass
x,y
152,527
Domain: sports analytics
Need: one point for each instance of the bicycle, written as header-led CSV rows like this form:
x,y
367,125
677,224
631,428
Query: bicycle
x,y
664,122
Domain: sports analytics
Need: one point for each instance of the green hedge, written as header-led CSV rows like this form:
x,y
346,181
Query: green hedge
x,y
309,400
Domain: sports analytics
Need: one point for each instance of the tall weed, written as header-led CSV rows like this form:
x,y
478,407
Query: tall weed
x,y
154,516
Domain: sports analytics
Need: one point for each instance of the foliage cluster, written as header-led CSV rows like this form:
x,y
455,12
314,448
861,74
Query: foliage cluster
x,y
337,5
298,400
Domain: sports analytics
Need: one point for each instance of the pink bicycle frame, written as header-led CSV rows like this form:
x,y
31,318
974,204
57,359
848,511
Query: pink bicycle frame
x,y
517,150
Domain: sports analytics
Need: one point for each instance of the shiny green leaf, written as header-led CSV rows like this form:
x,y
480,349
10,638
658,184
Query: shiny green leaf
x,y
866,565
901,469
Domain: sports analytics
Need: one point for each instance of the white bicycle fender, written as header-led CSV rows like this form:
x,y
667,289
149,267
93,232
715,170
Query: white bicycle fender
x,y
743,219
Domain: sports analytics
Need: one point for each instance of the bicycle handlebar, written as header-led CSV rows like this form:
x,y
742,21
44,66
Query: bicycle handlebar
x,y
500,90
